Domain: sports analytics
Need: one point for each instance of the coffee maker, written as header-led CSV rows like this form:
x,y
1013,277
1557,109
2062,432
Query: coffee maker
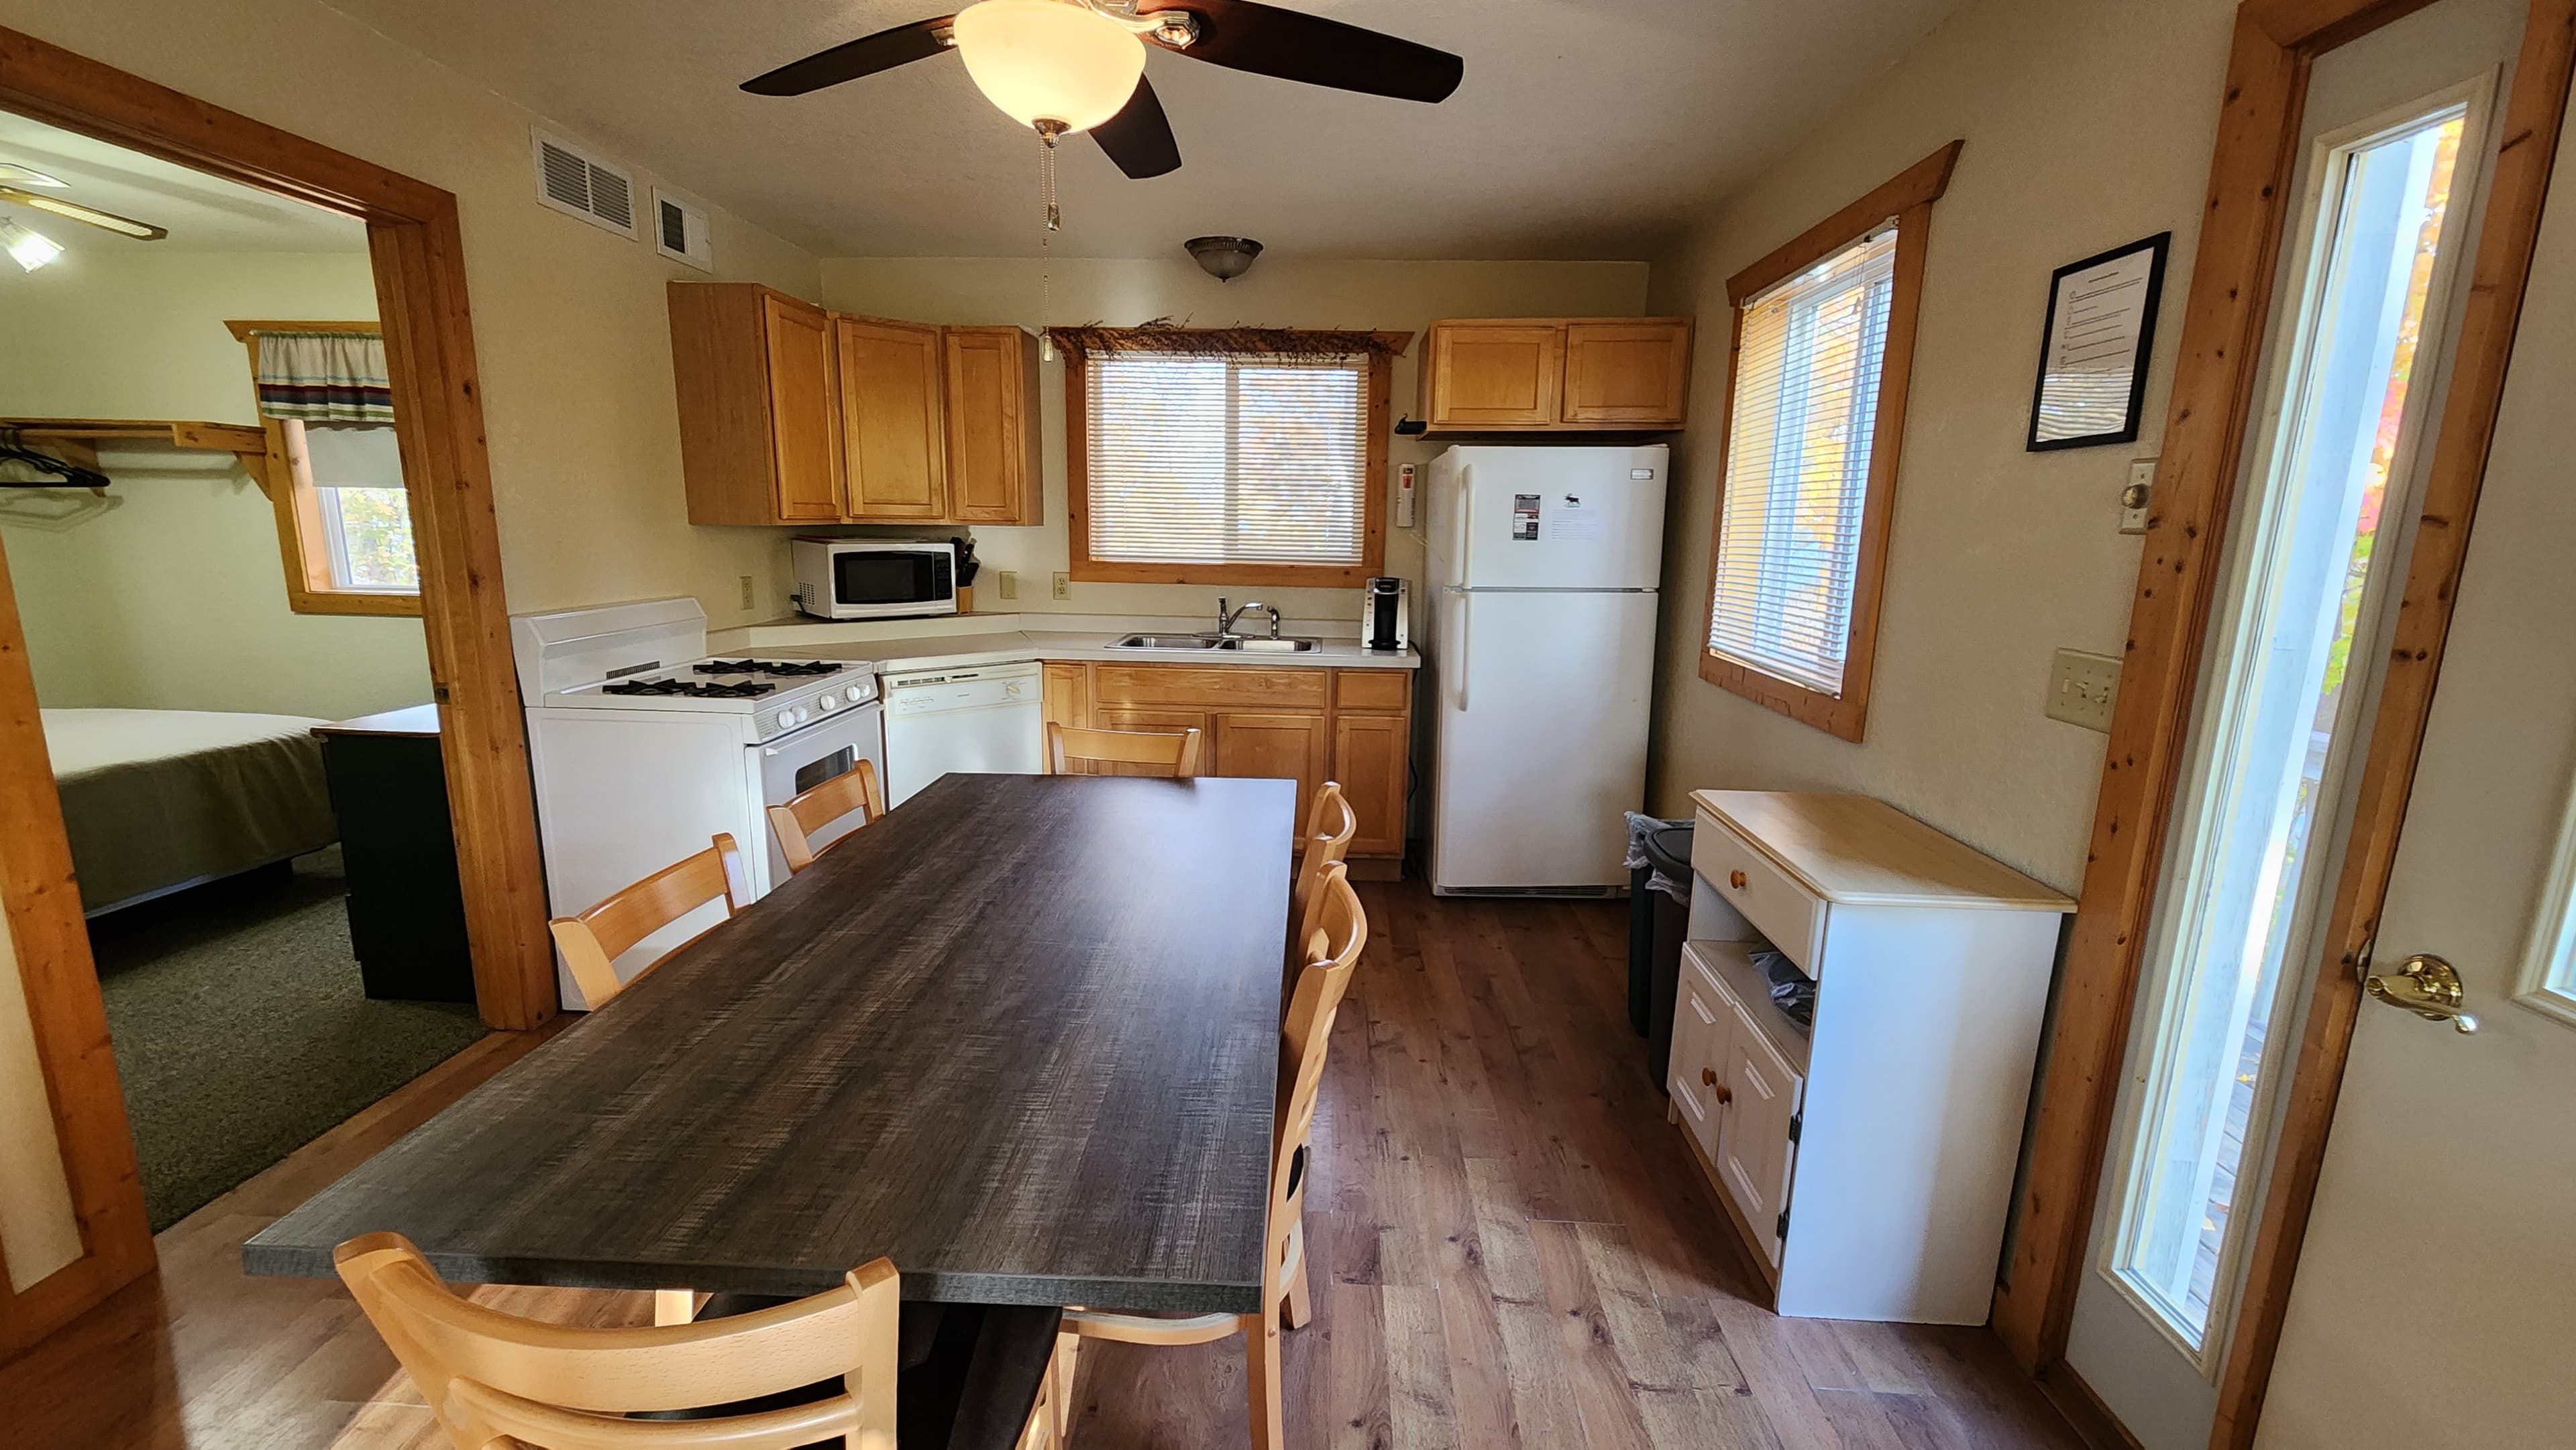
x,y
1386,614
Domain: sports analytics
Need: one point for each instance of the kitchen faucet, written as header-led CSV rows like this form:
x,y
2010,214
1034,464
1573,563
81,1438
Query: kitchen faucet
x,y
1225,620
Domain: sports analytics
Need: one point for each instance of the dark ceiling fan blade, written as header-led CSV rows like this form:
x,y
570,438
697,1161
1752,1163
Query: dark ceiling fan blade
x,y
1139,138
1292,45
852,59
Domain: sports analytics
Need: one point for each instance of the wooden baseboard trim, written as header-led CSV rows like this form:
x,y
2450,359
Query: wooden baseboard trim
x,y
2093,1421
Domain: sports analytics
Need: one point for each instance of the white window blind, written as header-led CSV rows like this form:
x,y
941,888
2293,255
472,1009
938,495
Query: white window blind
x,y
1797,465
1227,460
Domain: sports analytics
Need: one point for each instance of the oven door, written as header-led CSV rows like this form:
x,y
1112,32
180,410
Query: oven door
x,y
880,583
794,763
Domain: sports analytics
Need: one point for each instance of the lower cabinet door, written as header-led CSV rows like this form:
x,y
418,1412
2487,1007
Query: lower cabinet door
x,y
1161,721
1753,1140
1279,746
1369,759
1703,1036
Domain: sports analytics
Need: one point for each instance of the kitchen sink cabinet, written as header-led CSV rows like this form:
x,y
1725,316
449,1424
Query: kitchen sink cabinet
x,y
1307,724
754,370
1555,375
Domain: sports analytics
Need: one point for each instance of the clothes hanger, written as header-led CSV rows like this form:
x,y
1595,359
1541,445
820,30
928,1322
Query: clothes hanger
x,y
66,474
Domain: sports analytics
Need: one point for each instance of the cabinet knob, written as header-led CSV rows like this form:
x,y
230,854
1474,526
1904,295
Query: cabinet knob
x,y
1708,1077
1735,879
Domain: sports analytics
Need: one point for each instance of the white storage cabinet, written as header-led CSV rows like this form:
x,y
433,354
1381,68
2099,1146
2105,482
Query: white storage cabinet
x,y
1867,1162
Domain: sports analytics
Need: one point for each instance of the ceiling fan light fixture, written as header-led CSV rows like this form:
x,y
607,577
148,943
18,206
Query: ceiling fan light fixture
x,y
1049,60
1224,258
29,249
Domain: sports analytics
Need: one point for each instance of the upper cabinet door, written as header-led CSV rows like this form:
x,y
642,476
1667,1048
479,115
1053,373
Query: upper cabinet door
x,y
1628,374
992,383
1493,375
893,436
803,479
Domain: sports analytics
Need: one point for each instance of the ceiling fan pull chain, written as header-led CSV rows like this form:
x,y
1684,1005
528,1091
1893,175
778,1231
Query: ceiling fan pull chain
x,y
1047,133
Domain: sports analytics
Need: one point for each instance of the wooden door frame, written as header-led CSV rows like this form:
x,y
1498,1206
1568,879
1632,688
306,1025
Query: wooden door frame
x,y
2214,397
418,258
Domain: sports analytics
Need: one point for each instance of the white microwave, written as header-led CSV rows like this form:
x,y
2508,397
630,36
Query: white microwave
x,y
874,578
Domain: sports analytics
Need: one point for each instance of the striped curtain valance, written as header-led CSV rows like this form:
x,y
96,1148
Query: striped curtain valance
x,y
325,377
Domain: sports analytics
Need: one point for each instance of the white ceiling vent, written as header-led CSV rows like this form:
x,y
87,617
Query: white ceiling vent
x,y
579,183
680,231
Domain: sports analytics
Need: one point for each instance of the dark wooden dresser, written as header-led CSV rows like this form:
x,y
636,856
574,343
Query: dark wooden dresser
x,y
406,909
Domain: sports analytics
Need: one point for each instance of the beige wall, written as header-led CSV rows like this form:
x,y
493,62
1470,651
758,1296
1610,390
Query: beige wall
x,y
2088,126
1278,292
170,594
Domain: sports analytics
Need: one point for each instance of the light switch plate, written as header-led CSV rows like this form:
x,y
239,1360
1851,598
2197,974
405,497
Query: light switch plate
x,y
1063,585
2083,689
1006,582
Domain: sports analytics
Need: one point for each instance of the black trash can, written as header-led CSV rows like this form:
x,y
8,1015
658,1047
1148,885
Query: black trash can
x,y
1658,923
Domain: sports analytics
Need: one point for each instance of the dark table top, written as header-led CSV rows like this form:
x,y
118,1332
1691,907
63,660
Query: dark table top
x,y
1022,1036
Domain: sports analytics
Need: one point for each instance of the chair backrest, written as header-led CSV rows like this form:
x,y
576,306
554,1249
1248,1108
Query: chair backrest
x,y
1332,956
593,941
854,790
488,1374
1142,752
1330,825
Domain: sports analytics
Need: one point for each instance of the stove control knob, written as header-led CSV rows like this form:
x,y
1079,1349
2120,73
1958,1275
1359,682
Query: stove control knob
x,y
830,702
786,720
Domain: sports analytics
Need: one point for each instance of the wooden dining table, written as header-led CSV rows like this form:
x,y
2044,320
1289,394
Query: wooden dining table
x,y
1020,1036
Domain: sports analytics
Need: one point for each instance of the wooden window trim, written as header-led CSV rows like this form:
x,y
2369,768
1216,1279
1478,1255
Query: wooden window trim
x,y
2246,206
1077,479
1907,197
287,479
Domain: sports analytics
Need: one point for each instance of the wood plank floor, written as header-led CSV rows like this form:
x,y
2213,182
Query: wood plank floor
x,y
1510,1248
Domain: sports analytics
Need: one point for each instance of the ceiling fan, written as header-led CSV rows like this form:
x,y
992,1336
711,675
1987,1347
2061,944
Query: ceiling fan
x,y
33,249
1060,66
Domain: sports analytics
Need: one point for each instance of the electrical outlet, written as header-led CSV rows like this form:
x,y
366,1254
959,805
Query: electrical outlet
x,y
2083,689
746,590
1006,582
1063,585
2134,499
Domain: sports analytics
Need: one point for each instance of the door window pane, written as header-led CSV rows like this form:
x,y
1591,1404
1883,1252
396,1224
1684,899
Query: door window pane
x,y
2282,722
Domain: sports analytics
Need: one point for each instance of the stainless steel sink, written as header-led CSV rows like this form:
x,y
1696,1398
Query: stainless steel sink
x,y
1164,641
1269,646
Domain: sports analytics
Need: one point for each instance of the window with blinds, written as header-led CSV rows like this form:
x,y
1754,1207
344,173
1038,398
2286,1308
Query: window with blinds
x,y
1797,465
1227,460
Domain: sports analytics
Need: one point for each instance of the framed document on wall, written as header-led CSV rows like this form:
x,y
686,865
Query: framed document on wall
x,y
2094,349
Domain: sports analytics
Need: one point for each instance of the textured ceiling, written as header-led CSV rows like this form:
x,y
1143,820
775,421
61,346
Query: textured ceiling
x,y
202,213
1585,128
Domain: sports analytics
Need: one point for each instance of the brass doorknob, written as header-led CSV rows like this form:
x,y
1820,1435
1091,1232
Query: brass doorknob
x,y
2427,986
1735,879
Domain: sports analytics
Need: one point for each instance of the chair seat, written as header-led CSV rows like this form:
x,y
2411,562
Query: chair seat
x,y
970,1375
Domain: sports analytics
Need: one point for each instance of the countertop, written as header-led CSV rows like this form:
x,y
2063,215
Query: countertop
x,y
1864,852
971,639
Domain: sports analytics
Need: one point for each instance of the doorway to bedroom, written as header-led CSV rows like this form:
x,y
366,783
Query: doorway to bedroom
x,y
207,531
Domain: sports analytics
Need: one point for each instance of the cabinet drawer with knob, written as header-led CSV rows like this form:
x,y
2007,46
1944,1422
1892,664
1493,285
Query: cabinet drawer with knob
x,y
1778,906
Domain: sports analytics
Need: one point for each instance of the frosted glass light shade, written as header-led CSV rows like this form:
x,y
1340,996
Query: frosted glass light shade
x,y
27,248
1047,60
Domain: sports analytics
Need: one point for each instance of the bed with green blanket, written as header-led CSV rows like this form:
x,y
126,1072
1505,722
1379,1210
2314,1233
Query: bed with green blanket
x,y
155,800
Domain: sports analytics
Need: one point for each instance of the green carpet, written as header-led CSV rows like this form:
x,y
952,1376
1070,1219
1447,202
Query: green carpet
x,y
241,1031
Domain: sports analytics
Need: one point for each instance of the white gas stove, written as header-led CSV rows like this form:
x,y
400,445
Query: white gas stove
x,y
643,748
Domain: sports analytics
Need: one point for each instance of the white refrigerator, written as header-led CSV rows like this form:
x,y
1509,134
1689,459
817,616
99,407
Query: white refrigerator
x,y
1544,564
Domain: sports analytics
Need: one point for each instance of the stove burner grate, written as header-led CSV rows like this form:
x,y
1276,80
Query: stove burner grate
x,y
694,689
770,667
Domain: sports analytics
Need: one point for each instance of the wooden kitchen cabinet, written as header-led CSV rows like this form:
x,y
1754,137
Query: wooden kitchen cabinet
x,y
892,423
1525,374
754,373
991,376
1309,725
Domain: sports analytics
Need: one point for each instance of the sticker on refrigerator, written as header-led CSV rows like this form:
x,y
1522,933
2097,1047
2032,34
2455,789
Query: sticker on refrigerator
x,y
1570,520
1525,517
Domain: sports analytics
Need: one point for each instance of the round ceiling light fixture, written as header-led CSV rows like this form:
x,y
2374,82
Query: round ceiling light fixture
x,y
1057,62
1224,258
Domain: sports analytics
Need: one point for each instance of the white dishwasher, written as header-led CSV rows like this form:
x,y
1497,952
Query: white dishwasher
x,y
982,720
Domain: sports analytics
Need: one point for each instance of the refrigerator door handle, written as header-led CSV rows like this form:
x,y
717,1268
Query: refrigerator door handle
x,y
1462,656
1466,518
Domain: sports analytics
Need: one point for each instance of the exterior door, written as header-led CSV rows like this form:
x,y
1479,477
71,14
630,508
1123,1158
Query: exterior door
x,y
2399,134
2433,1299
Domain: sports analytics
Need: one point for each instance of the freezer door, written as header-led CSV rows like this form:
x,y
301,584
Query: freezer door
x,y
1548,518
1542,738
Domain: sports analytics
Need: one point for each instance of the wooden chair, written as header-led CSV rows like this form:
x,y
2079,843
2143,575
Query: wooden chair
x,y
489,1375
853,790
1285,1297
1173,754
592,942
1330,825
